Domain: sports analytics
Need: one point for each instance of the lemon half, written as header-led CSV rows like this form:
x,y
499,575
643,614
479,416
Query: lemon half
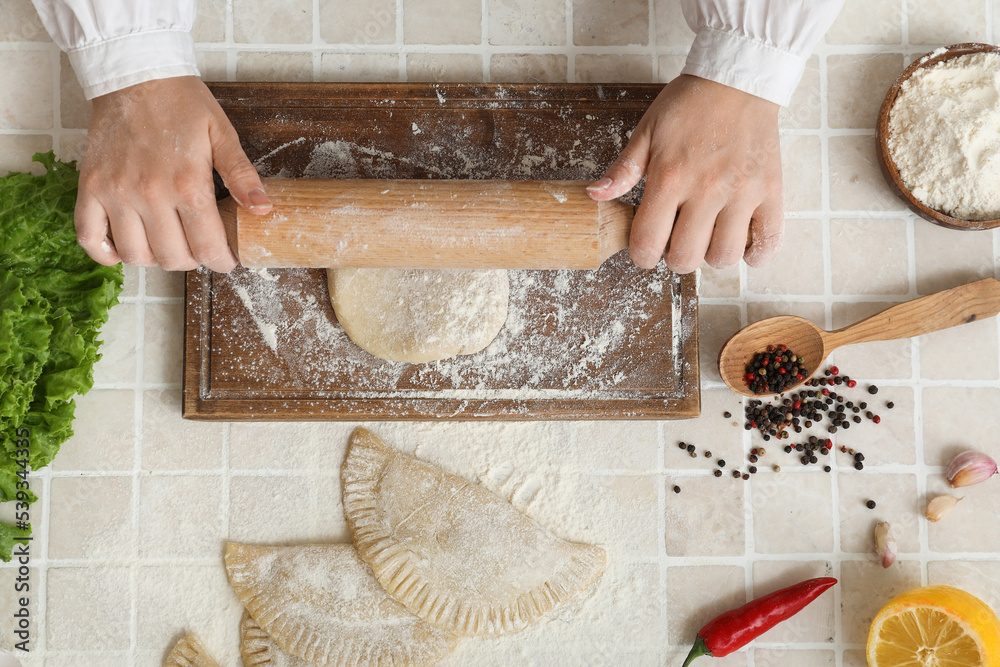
x,y
935,626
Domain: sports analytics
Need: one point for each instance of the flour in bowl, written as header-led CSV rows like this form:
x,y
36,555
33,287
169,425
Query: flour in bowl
x,y
944,136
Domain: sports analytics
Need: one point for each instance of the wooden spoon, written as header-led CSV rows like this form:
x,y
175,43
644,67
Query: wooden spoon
x,y
949,308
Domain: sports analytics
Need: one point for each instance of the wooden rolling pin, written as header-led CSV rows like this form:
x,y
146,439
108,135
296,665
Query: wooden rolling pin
x,y
428,224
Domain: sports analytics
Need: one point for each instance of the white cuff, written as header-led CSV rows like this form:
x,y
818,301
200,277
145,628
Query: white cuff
x,y
124,61
746,64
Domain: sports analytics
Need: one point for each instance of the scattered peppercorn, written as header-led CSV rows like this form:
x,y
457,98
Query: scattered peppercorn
x,y
690,448
746,476
858,465
736,474
826,468
682,445
870,504
708,454
776,468
872,389
717,473
890,405
727,414
722,463
752,469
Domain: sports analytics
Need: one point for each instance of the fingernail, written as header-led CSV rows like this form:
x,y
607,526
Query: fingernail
x,y
258,198
602,184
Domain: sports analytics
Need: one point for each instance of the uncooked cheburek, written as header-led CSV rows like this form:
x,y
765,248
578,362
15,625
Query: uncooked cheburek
x,y
418,315
322,604
189,652
259,650
450,551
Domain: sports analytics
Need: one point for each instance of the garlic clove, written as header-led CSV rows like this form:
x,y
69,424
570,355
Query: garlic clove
x,y
885,543
940,506
970,468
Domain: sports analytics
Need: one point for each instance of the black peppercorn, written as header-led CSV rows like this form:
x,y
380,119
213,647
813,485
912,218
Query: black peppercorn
x,y
682,445
890,405
870,504
752,469
717,473
677,489
826,468
858,465
727,414
690,448
722,463
859,456
872,389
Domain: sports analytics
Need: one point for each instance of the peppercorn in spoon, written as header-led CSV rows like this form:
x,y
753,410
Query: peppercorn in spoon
x,y
959,305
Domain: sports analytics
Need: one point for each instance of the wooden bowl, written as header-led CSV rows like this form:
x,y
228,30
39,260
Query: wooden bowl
x,y
885,162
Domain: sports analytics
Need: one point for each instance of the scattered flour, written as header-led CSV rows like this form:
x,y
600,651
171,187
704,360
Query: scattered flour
x,y
944,136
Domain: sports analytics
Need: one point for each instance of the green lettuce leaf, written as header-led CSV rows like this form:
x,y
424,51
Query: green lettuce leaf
x,y
53,301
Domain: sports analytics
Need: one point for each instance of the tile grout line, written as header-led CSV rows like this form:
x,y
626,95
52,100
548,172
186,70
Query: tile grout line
x,y
661,542
317,42
137,439
827,246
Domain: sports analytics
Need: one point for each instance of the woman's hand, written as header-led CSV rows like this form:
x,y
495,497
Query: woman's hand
x,y
146,193
712,163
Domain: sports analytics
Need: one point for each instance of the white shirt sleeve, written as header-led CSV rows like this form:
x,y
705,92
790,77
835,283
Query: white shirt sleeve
x,y
113,44
757,46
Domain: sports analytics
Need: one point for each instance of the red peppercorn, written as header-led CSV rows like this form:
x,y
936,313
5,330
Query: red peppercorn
x,y
781,371
798,376
826,392
796,405
852,384
876,419
834,370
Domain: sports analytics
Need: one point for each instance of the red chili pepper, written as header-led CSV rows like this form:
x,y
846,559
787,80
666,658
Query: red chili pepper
x,y
737,627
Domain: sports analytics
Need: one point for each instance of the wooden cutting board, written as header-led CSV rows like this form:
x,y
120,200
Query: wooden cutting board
x,y
614,343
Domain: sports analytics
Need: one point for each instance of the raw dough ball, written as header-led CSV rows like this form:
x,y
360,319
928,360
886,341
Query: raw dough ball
x,y
419,315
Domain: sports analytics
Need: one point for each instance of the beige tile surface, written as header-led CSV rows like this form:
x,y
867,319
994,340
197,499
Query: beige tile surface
x,y
946,258
211,23
179,516
272,22
91,518
359,67
265,66
707,517
103,432
21,22
805,526
594,68
937,22
803,249
527,68
699,593
868,22
139,503
521,22
857,84
422,22
879,245
597,23
800,172
30,74
163,340
805,108
88,608
855,180
16,151
865,587
367,23
444,67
